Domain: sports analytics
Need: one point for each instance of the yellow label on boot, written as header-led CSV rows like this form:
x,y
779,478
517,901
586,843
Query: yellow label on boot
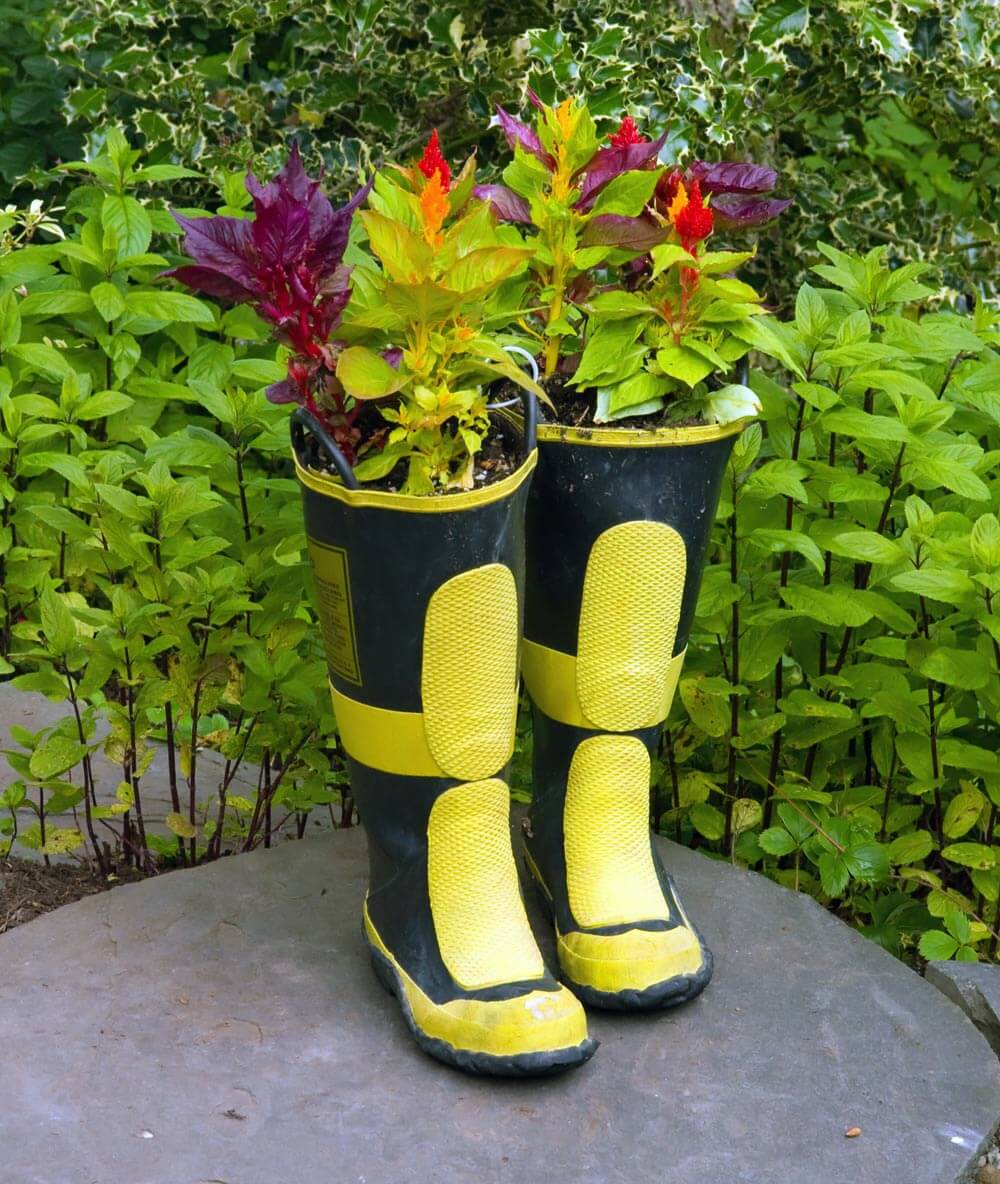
x,y
632,594
479,918
336,613
610,875
469,674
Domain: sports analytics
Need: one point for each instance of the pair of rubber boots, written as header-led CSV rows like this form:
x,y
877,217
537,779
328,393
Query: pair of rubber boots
x,y
427,617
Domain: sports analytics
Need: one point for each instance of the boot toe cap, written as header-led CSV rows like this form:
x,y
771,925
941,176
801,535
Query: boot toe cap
x,y
636,961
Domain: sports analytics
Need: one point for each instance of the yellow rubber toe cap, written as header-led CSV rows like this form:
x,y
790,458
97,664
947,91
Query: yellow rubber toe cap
x,y
541,1021
630,961
537,1022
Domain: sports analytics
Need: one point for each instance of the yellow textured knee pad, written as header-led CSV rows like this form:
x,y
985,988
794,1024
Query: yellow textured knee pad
x,y
479,918
469,673
610,875
632,594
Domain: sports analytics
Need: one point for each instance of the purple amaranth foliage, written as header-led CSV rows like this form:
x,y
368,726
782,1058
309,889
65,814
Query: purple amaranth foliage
x,y
519,133
626,153
509,206
608,163
287,261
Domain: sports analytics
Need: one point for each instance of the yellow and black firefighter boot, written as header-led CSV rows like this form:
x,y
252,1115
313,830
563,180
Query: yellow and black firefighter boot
x,y
420,609
618,527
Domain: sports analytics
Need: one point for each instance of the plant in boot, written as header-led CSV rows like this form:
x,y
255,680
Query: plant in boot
x,y
618,528
654,346
420,602
425,324
287,261
584,202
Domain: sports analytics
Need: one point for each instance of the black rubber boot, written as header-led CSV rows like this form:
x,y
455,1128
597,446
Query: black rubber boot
x,y
617,532
420,607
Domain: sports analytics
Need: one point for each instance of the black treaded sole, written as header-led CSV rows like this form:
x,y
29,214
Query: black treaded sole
x,y
535,1064
669,993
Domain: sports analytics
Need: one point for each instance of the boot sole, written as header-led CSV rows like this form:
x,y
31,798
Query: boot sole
x,y
529,1064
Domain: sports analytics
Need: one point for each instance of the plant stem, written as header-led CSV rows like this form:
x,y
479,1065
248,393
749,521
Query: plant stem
x,y
734,670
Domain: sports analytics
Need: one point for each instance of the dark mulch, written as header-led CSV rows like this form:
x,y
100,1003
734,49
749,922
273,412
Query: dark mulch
x,y
501,454
29,889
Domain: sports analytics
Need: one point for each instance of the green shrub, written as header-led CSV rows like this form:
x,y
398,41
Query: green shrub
x,y
882,117
150,541
839,719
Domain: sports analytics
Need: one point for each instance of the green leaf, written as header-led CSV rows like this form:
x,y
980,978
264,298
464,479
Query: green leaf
x,y
963,755
55,755
834,873
966,669
70,468
935,583
108,301
602,355
850,421
868,861
707,821
643,390
801,702
816,395
628,193
974,855
258,371
963,813
776,841
957,925
617,304
44,358
985,542
709,712
771,338
102,404
826,605
869,546
61,302
811,315
668,255
937,471
776,541
366,375
684,364
181,826
911,848
937,946
169,306
127,226
780,21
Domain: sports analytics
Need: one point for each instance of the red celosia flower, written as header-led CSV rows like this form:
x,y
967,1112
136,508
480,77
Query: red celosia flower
x,y
736,189
433,162
691,217
626,134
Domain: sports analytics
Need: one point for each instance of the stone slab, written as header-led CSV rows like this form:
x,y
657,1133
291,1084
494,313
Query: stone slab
x,y
222,1025
975,987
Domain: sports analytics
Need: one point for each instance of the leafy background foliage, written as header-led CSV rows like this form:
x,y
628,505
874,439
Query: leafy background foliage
x,y
837,723
882,117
